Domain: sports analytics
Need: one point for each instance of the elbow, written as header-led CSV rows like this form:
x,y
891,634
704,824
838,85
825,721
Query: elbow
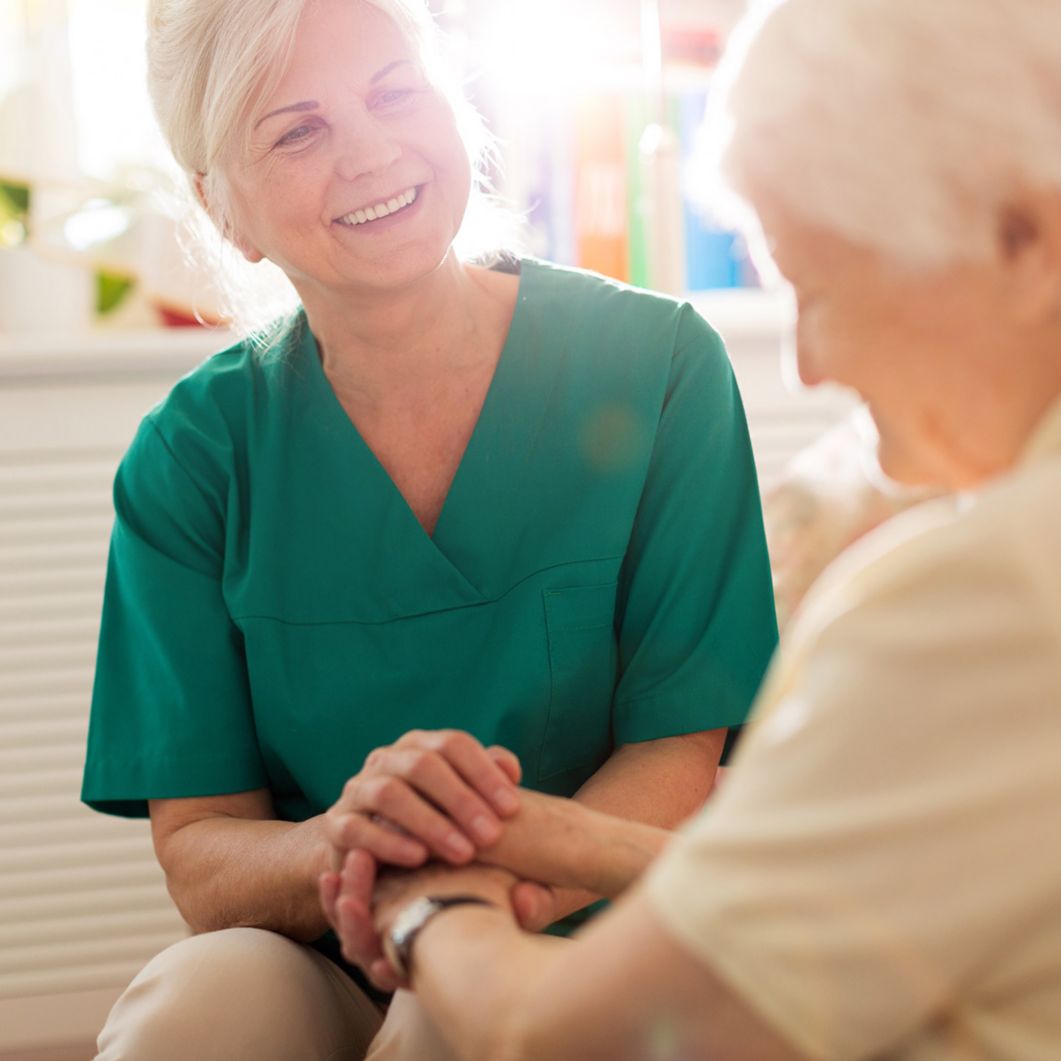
x,y
198,919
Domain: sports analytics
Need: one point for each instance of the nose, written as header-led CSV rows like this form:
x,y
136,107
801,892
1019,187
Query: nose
x,y
807,362
809,375
364,146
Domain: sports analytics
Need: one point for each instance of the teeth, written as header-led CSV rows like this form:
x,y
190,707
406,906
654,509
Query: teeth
x,y
373,213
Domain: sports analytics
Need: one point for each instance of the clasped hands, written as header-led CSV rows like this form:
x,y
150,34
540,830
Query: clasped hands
x,y
436,813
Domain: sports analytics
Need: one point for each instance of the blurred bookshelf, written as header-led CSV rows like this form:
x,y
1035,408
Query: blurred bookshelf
x,y
597,106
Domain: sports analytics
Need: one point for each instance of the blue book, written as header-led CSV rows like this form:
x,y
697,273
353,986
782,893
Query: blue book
x,y
714,257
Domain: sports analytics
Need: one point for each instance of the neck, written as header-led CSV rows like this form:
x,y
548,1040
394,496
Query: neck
x,y
1017,396
388,342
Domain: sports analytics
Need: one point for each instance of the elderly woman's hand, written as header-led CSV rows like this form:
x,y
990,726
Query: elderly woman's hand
x,y
362,905
438,794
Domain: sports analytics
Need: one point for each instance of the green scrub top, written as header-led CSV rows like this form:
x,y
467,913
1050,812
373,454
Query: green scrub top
x,y
598,575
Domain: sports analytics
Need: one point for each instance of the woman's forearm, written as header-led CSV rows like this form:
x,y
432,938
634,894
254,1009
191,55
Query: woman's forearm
x,y
617,824
568,845
226,872
472,971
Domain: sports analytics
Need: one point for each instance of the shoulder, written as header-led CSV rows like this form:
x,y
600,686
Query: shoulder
x,y
206,415
222,384
192,445
628,325
971,582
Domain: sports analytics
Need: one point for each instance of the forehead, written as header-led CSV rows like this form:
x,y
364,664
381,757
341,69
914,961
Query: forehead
x,y
345,42
802,249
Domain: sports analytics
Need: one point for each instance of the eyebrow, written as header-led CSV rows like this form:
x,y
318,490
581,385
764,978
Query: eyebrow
x,y
312,104
305,105
381,74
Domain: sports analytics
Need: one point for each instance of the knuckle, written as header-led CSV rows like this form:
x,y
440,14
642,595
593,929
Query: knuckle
x,y
350,830
422,767
388,793
454,742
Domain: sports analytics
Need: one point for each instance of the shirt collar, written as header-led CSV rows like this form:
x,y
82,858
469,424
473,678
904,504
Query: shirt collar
x,y
1045,440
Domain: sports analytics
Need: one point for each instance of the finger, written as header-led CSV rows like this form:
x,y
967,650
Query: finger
x,y
328,885
353,906
431,775
394,799
360,945
358,876
347,831
508,761
471,760
532,904
384,977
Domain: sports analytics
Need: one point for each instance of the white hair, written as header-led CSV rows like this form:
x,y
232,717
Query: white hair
x,y
211,64
901,125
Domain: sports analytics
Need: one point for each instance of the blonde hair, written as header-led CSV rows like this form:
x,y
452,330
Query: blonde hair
x,y
899,124
211,63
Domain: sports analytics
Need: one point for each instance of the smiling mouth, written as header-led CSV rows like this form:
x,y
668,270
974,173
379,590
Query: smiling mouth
x,y
383,209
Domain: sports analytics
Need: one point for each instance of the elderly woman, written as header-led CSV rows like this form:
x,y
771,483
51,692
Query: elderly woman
x,y
879,876
445,511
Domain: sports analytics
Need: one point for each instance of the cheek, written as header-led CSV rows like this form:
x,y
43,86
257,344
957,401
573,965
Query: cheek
x,y
439,132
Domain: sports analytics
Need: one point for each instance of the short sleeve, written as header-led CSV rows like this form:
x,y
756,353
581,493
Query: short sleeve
x,y
171,714
856,872
696,613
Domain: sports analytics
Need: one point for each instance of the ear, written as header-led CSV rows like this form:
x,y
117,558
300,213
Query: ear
x,y
251,253
1028,244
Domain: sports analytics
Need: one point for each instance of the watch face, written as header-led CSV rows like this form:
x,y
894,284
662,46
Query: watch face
x,y
396,945
411,918
398,942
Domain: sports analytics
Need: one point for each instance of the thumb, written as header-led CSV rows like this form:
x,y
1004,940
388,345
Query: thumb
x,y
532,904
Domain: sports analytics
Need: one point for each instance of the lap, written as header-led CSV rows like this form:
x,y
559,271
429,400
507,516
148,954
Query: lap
x,y
249,993
240,992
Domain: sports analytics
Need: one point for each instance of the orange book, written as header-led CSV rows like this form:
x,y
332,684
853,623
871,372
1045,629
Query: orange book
x,y
601,195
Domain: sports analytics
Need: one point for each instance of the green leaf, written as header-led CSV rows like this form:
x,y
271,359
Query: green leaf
x,y
14,201
14,213
111,290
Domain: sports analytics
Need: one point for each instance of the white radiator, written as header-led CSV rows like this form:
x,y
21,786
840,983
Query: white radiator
x,y
82,901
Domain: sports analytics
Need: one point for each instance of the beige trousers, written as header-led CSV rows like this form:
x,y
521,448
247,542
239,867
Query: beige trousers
x,y
247,993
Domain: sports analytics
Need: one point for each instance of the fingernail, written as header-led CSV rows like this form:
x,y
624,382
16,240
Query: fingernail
x,y
486,829
506,800
459,845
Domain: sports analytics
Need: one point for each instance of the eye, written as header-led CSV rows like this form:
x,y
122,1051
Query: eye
x,y
393,98
297,135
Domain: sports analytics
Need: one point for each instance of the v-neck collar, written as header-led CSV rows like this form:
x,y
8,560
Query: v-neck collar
x,y
444,549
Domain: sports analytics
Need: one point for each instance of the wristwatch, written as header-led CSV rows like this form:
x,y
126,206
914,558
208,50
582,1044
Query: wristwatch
x,y
398,942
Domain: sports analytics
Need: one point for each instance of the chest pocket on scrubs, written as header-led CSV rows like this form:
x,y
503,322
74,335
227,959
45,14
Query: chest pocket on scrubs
x,y
583,658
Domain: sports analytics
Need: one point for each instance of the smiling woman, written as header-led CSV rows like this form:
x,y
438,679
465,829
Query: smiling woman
x,y
334,139
451,527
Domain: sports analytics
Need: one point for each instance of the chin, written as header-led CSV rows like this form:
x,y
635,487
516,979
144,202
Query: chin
x,y
901,472
408,265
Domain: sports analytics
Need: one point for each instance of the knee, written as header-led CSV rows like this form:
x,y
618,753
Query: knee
x,y
213,996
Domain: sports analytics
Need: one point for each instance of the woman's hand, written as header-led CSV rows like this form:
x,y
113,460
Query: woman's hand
x,y
438,793
361,906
